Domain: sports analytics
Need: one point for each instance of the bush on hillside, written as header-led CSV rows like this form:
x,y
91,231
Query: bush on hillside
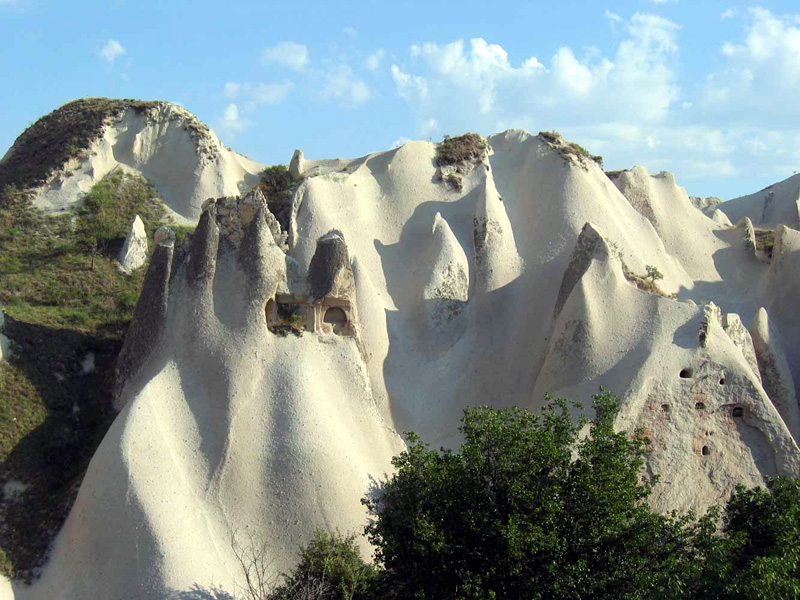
x,y
330,568
512,515
756,553
469,147
278,187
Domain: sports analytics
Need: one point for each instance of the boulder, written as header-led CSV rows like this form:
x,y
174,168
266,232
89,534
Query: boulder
x,y
134,252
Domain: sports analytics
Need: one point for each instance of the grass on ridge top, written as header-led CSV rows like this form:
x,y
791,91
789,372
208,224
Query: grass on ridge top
x,y
59,136
63,315
469,147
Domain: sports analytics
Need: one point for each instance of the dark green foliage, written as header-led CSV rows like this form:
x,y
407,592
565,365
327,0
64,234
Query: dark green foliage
x,y
278,187
330,568
65,133
513,516
757,553
469,147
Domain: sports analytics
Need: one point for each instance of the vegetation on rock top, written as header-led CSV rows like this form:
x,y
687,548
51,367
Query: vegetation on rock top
x,y
571,151
65,133
278,187
469,147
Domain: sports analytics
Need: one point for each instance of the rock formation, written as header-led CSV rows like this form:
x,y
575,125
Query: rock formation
x,y
134,251
407,300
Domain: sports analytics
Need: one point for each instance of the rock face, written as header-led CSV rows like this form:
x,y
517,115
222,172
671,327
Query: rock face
x,y
134,251
770,207
408,300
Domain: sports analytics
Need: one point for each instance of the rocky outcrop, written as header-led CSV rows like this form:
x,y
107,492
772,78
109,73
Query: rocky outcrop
x,y
149,317
775,373
446,289
134,251
329,273
297,165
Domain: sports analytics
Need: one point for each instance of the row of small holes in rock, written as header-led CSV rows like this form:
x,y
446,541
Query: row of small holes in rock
x,y
689,373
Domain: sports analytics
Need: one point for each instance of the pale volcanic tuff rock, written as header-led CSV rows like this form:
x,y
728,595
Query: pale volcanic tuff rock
x,y
776,204
134,251
440,298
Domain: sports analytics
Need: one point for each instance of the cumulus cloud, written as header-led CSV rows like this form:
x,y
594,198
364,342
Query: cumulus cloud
x,y
287,54
257,94
373,61
757,70
344,87
231,122
729,14
637,83
111,50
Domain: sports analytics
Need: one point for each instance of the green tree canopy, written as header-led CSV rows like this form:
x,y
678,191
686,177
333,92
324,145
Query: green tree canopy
x,y
528,508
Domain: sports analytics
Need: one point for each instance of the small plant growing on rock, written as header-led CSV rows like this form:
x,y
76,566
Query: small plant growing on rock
x,y
653,274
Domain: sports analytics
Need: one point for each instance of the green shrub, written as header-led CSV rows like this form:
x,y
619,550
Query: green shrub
x,y
653,274
278,187
756,554
470,147
512,515
332,567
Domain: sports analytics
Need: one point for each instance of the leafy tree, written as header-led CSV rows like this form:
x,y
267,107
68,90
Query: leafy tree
x,y
278,187
529,509
756,555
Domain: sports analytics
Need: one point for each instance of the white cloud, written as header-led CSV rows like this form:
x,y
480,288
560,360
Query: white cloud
x,y
231,90
257,94
111,50
408,87
343,87
729,14
636,84
373,61
401,141
271,93
614,19
288,54
760,76
231,121
662,1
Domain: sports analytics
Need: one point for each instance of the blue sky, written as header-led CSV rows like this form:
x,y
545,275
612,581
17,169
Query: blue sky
x,y
708,90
